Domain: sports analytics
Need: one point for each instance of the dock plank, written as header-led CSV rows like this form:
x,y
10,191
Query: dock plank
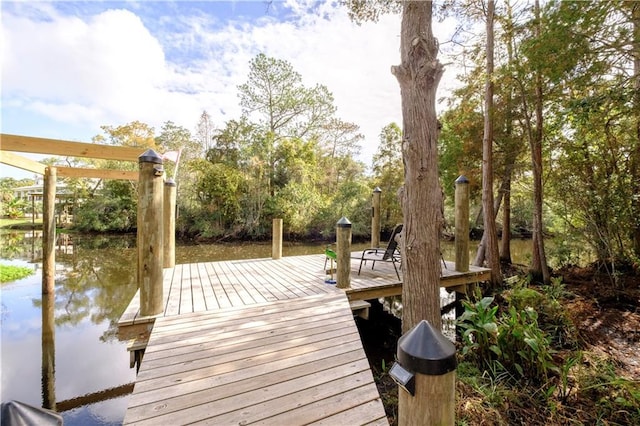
x,y
226,283
197,289
210,300
173,293
218,289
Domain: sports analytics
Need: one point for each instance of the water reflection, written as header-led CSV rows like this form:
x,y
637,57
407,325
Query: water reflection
x,y
61,350
48,352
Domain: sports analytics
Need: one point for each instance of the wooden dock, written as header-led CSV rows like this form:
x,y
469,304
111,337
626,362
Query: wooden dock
x,y
199,287
260,341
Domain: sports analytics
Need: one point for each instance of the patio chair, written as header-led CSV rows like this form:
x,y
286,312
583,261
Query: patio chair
x,y
389,254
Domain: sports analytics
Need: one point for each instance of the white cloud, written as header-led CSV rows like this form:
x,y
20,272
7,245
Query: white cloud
x,y
109,68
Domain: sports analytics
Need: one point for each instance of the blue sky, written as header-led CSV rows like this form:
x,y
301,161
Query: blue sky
x,y
69,67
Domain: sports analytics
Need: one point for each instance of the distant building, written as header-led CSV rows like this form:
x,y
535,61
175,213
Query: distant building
x,y
35,191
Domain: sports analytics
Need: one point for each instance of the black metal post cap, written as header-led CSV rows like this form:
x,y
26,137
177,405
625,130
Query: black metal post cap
x,y
170,182
343,223
426,350
377,189
462,179
150,156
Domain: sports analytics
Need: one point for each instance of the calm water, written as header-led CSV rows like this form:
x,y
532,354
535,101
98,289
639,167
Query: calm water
x,y
78,362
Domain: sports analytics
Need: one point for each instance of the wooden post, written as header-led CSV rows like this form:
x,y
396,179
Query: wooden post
x,y
462,224
169,223
49,231
48,351
150,238
375,218
343,253
427,354
276,239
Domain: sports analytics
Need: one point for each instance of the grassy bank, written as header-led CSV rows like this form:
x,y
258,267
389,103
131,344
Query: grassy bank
x,y
10,273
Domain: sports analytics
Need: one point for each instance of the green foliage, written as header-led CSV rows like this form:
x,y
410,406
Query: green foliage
x,y
511,344
104,214
548,304
288,156
525,348
10,273
12,207
480,335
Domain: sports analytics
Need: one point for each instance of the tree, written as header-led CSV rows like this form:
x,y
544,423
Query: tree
x,y
285,107
112,207
173,138
204,133
388,174
593,123
418,76
489,246
539,267
635,155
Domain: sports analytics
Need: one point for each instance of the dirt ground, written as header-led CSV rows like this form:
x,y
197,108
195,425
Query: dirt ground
x,y
607,315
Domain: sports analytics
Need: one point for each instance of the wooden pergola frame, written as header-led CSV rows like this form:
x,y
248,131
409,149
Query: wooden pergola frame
x,y
9,144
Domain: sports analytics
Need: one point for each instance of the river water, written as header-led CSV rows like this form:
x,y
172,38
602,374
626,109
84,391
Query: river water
x,y
65,351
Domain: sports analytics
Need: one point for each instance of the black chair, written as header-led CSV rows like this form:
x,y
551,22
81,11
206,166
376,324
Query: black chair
x,y
389,254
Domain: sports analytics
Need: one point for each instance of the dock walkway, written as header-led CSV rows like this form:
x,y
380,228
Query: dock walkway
x,y
259,341
284,362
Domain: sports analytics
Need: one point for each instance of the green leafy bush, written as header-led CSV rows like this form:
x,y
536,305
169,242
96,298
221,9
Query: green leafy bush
x,y
511,343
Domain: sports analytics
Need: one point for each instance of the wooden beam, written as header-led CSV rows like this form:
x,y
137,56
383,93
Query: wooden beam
x,y
23,163
67,148
77,172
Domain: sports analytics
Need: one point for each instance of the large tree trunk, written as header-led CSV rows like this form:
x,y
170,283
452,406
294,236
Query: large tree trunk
x,y
490,235
511,151
635,161
418,75
539,268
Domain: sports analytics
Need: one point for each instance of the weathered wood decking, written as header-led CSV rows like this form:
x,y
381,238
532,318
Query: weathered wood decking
x,y
260,341
199,287
284,362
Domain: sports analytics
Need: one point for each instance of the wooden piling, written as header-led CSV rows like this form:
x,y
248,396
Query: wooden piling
x,y
150,233
343,253
430,357
169,223
375,217
433,403
462,224
276,239
49,231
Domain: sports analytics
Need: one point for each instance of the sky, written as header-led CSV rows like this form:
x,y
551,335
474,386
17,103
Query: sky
x,y
69,67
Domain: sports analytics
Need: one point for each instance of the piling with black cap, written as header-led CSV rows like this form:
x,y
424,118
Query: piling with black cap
x,y
430,357
343,253
150,232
